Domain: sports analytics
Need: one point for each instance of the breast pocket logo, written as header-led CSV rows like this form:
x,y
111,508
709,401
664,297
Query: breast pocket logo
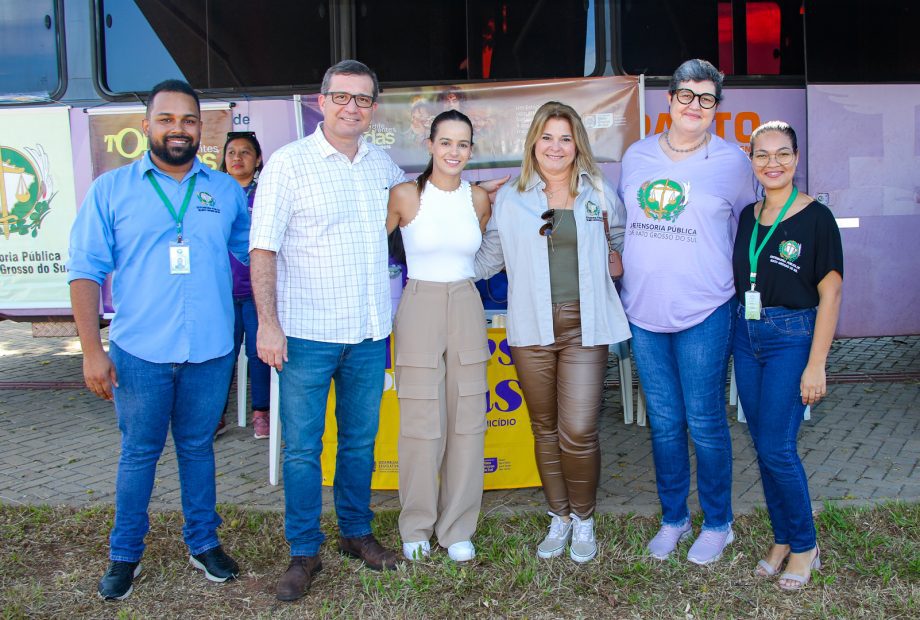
x,y
206,203
593,212
790,250
664,199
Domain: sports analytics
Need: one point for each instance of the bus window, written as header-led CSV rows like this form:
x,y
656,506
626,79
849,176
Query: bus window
x,y
231,44
853,42
657,35
29,47
456,40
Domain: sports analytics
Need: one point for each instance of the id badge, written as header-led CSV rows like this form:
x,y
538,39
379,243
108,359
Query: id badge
x,y
179,258
752,305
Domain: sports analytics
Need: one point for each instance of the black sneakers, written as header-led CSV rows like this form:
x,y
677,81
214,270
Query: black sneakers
x,y
117,582
217,565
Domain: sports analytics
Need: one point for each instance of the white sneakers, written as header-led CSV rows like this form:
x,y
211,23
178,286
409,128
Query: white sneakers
x,y
579,532
416,550
584,546
462,551
560,531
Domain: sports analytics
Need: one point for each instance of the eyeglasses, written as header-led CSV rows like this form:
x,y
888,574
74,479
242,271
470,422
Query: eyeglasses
x,y
340,98
686,97
761,158
233,135
547,229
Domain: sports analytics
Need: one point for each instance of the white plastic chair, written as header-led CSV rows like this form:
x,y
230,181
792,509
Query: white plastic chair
x,y
624,362
274,430
242,374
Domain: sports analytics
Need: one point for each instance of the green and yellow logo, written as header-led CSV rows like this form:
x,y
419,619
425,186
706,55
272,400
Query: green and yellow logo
x,y
26,190
664,199
790,250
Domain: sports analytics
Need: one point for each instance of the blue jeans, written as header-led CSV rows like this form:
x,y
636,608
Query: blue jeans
x,y
770,356
150,400
683,376
358,372
247,322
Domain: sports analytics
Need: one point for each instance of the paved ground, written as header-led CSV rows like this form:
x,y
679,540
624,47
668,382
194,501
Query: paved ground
x,y
60,446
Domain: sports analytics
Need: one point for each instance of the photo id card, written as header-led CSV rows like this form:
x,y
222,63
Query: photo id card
x,y
752,305
179,258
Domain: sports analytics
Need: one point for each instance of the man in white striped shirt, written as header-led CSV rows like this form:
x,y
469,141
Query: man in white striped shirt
x,y
319,274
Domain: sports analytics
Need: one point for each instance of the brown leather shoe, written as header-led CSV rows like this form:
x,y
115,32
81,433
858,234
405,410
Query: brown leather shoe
x,y
296,580
372,553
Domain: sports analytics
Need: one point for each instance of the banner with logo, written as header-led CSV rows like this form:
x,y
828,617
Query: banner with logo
x,y
501,113
509,458
37,207
117,138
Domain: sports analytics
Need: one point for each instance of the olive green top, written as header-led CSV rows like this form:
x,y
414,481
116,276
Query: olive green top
x,y
563,258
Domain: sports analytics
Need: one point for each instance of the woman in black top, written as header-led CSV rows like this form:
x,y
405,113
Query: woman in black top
x,y
788,265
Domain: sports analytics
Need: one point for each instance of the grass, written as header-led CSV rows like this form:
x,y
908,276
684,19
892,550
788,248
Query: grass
x,y
51,559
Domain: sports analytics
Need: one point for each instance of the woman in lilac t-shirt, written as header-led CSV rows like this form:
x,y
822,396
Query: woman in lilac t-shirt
x,y
683,190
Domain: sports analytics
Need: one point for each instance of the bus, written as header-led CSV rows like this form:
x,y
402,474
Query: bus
x,y
844,73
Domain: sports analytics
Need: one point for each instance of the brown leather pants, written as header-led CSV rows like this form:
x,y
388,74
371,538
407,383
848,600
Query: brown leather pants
x,y
563,385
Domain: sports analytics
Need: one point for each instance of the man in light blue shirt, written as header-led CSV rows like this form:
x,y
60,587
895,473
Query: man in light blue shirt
x,y
162,227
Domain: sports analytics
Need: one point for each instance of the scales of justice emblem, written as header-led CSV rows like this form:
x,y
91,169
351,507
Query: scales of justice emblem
x,y
26,190
664,199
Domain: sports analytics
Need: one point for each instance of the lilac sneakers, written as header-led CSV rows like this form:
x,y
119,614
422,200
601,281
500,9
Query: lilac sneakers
x,y
667,539
706,549
708,546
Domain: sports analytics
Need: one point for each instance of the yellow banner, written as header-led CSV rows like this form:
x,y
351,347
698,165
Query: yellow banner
x,y
37,207
509,459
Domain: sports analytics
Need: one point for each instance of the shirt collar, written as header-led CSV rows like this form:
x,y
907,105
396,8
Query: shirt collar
x,y
146,163
536,181
327,150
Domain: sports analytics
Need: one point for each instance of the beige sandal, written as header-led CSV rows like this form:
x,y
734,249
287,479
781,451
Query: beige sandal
x,y
799,581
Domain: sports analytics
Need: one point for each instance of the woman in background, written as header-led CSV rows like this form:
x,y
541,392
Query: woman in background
x,y
243,161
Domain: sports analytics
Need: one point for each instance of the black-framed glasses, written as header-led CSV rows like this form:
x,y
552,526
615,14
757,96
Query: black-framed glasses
x,y
341,98
233,135
547,229
783,157
686,97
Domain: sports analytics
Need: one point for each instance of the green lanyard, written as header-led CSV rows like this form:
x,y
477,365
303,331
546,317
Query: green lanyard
x,y
168,203
754,255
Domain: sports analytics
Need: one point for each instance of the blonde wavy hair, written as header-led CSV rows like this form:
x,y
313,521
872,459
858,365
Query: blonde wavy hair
x,y
584,158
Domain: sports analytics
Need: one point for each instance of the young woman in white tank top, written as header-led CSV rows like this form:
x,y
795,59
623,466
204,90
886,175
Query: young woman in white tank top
x,y
441,347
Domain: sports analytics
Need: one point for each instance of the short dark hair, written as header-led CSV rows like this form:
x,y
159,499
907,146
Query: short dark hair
x,y
174,86
350,67
697,70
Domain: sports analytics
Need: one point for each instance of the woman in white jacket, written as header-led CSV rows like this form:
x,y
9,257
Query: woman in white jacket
x,y
548,231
